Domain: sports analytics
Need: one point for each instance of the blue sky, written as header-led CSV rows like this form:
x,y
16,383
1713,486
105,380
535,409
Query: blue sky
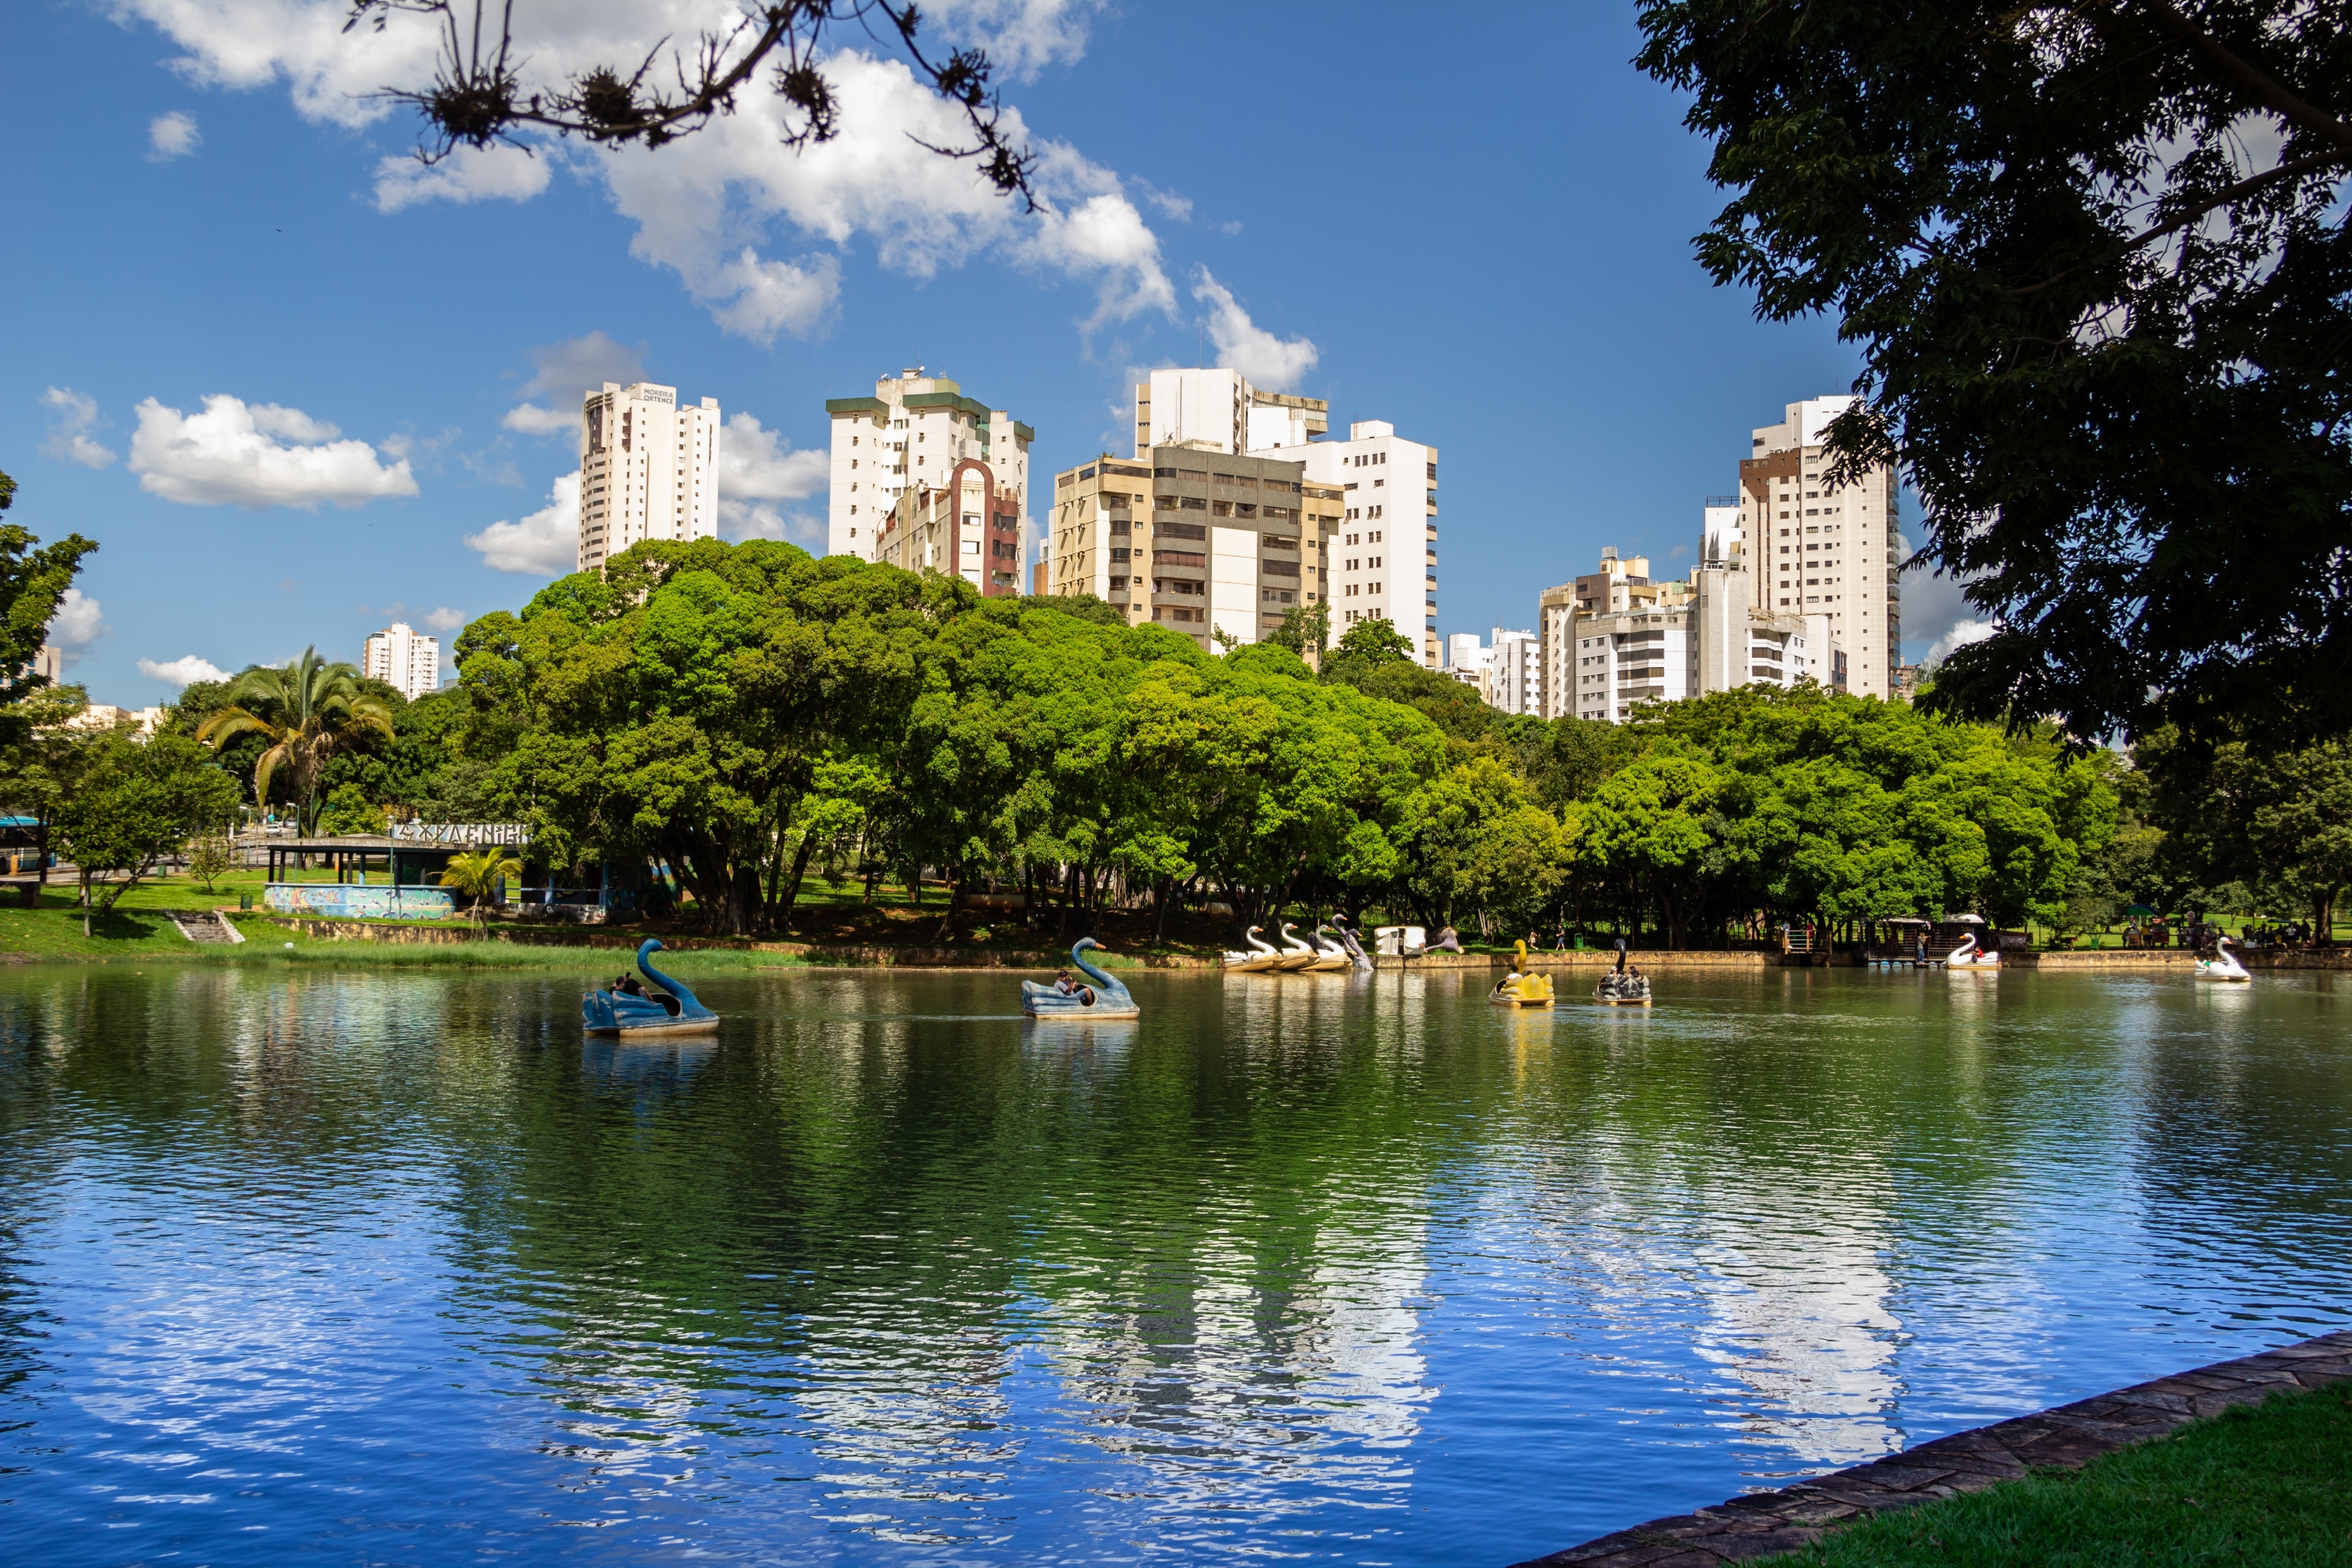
x,y
1475,224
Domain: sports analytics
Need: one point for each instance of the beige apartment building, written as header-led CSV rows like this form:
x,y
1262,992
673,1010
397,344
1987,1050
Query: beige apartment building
x,y
1198,540
913,433
968,527
648,469
1817,549
1613,640
397,656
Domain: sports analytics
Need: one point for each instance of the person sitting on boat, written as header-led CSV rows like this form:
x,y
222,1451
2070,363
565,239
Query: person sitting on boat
x,y
1062,983
626,986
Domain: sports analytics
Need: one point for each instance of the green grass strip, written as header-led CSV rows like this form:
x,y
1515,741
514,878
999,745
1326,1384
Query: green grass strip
x,y
2268,1485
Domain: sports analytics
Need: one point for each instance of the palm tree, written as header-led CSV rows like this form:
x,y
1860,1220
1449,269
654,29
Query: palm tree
x,y
476,874
308,709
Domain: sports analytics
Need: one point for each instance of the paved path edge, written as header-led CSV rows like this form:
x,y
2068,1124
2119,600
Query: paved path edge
x,y
2067,1437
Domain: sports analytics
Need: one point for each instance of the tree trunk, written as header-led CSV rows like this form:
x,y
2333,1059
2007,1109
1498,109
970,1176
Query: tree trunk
x,y
791,894
85,900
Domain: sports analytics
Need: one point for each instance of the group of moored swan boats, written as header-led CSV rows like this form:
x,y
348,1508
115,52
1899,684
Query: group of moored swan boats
x,y
629,1010
1328,949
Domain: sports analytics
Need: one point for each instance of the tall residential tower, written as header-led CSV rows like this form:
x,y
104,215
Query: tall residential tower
x,y
1813,548
917,431
648,469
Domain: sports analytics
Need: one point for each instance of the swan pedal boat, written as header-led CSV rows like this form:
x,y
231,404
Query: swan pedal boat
x,y
1968,955
1631,989
671,1010
2223,966
1297,956
1104,998
1520,988
1256,958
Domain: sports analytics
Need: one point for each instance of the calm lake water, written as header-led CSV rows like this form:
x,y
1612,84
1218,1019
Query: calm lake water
x,y
393,1268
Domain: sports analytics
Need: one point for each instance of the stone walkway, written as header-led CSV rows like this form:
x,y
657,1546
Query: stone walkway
x,y
2065,1438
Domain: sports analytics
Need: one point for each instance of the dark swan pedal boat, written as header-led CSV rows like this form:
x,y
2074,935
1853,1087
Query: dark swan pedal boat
x,y
1104,998
671,1010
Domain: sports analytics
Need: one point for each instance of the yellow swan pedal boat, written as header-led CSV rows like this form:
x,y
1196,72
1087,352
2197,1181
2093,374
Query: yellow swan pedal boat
x,y
1520,988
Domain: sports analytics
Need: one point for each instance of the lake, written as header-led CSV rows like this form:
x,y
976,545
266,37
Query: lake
x,y
386,1268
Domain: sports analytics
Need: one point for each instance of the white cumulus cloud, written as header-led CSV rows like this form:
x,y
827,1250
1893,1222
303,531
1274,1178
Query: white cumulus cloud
x,y
443,620
173,135
755,464
70,437
77,624
704,205
740,520
256,455
1960,636
1272,363
497,173
563,372
182,672
545,543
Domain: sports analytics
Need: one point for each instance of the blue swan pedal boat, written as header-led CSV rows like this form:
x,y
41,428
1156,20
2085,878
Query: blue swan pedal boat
x,y
670,1010
1101,998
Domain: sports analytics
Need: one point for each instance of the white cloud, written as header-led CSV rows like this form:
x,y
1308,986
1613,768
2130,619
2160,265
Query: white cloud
x,y
546,543
173,135
1243,345
69,437
758,464
530,419
182,672
740,520
443,620
256,455
704,204
497,172
755,464
1960,636
77,624
563,373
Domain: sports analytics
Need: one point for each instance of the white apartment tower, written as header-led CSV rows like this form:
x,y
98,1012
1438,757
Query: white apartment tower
x,y
1512,678
1819,550
648,469
1384,561
913,433
409,664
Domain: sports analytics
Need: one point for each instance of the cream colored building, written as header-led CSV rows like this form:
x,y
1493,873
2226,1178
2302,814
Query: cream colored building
x,y
915,431
409,664
49,664
648,469
1618,585
1199,539
1222,410
968,525
1819,549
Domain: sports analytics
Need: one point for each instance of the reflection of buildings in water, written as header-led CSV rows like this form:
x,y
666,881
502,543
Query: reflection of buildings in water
x,y
1774,1277
1227,1385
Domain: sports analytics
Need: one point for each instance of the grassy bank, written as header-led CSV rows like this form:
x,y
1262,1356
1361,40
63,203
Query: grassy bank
x,y
2260,1485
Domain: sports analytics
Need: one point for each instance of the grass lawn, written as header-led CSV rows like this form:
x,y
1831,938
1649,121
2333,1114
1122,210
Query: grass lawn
x,y
2267,1485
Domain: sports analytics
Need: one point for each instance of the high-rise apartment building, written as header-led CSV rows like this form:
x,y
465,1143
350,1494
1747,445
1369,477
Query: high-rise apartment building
x,y
916,430
1817,549
1221,408
966,524
1613,639
648,469
1199,539
49,664
1512,679
1383,562
1466,660
409,664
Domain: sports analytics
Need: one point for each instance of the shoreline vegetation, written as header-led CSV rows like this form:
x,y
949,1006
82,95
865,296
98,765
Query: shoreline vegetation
x,y
837,930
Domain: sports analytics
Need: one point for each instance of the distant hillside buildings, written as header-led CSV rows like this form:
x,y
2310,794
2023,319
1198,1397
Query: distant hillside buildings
x,y
409,664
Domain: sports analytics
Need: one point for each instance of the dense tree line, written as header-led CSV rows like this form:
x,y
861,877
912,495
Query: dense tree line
x,y
744,716
720,723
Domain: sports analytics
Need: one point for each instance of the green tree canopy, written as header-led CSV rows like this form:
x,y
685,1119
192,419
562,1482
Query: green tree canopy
x,y
2096,262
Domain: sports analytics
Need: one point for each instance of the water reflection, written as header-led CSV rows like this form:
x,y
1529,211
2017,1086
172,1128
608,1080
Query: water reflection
x,y
1336,1265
